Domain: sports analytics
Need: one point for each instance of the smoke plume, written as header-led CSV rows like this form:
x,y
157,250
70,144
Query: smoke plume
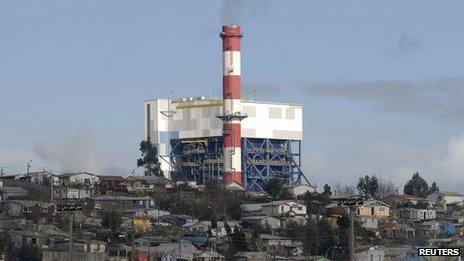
x,y
74,154
238,11
440,98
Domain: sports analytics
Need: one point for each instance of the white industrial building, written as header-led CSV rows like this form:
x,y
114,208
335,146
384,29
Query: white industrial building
x,y
195,120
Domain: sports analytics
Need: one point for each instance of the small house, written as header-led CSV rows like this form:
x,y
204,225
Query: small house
x,y
445,198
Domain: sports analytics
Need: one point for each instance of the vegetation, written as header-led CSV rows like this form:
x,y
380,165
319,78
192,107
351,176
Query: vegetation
x,y
318,198
238,241
416,186
149,159
317,236
28,252
276,190
368,186
111,219
433,188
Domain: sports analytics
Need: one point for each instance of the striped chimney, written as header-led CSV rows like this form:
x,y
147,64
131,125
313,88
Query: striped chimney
x,y
232,107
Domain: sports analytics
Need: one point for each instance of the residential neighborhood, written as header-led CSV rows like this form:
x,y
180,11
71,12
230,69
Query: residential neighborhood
x,y
149,218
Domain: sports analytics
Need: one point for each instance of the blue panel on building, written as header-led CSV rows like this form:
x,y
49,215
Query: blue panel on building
x,y
262,160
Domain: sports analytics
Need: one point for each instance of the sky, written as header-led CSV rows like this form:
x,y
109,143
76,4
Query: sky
x,y
381,82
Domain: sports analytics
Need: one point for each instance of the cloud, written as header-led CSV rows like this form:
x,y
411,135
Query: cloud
x,y
238,11
394,161
439,98
74,154
405,45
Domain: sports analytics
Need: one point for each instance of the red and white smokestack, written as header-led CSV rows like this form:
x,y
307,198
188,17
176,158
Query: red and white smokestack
x,y
232,107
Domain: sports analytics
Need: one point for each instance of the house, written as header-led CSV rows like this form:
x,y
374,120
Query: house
x,y
196,240
265,221
208,255
146,240
445,198
434,228
177,220
141,224
399,231
251,209
82,250
300,190
186,183
272,240
9,192
280,245
70,193
404,200
143,183
39,178
369,222
35,210
111,183
120,202
373,207
371,253
174,251
41,238
80,178
417,214
151,212
204,227
284,208
252,256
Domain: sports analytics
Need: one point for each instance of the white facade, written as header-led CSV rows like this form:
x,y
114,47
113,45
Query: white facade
x,y
70,193
418,214
80,178
300,190
272,222
167,119
283,208
372,254
444,198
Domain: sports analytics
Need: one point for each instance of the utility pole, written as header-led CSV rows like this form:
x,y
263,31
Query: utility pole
x,y
71,244
351,235
29,166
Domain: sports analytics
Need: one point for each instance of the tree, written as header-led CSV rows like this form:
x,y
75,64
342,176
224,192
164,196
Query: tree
x,y
28,252
346,190
149,159
111,219
238,240
327,191
368,186
433,188
416,186
386,188
275,188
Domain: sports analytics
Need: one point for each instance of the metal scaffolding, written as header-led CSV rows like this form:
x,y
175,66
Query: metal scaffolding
x,y
262,159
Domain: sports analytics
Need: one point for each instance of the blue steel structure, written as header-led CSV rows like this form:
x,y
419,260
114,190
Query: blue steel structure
x,y
262,159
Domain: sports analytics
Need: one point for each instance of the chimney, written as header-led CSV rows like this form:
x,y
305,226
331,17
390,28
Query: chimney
x,y
232,107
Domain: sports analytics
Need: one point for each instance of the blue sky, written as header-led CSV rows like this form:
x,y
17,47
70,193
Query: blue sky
x,y
380,81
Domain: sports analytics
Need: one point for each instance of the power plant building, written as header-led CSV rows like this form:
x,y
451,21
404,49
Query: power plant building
x,y
236,141
188,135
